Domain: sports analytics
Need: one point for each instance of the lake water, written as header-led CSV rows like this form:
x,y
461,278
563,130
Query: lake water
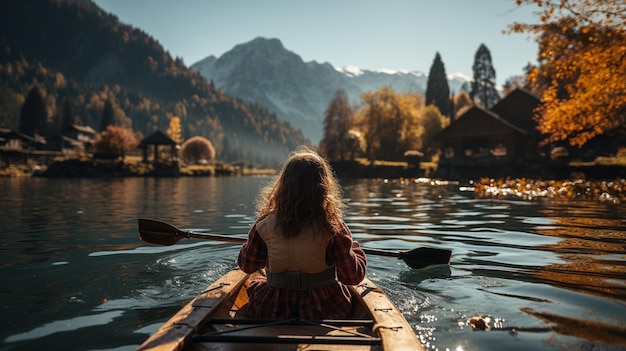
x,y
547,274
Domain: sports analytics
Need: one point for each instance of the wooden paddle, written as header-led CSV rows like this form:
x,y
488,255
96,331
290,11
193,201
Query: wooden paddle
x,y
161,233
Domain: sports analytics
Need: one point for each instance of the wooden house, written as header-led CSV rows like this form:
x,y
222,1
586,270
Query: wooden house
x,y
16,147
16,141
501,139
84,134
73,139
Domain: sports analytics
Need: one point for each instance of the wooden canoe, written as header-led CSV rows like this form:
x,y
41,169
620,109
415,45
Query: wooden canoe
x,y
214,321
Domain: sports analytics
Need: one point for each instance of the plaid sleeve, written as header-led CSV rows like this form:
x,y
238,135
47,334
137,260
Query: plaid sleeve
x,y
347,256
253,253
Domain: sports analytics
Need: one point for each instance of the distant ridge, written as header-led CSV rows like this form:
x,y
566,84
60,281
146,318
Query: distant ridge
x,y
78,53
264,71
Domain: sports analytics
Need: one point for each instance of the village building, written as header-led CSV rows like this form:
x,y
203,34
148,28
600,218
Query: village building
x,y
17,148
73,139
502,140
16,141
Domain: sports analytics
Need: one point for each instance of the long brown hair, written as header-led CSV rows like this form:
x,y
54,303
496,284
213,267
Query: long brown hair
x,y
305,192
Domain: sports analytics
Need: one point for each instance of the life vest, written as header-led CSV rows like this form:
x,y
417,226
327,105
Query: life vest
x,y
305,253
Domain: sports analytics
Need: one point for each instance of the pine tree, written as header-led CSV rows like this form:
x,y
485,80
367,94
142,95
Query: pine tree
x,y
337,124
484,84
68,115
108,116
33,114
437,88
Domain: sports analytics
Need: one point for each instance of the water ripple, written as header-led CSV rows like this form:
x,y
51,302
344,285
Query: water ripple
x,y
76,274
66,325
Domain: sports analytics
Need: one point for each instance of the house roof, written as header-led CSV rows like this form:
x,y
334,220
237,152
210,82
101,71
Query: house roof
x,y
478,122
73,142
12,134
158,138
84,129
518,109
514,113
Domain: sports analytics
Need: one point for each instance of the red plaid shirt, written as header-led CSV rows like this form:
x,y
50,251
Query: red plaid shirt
x,y
325,302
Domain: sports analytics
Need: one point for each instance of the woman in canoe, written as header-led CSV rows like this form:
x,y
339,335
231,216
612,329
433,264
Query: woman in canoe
x,y
302,241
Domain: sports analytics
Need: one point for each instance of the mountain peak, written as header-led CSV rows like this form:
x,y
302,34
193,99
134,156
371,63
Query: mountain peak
x,y
260,46
263,71
459,76
269,42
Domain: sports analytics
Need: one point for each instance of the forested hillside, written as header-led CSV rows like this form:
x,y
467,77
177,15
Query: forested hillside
x,y
81,57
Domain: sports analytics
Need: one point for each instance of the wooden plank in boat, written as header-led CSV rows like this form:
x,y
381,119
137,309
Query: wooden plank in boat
x,y
179,329
393,328
224,298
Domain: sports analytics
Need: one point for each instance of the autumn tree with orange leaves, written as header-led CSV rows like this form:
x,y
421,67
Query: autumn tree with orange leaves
x,y
582,62
116,141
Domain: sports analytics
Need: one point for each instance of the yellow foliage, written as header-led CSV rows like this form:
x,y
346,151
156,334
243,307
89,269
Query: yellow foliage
x,y
174,130
582,57
59,80
390,123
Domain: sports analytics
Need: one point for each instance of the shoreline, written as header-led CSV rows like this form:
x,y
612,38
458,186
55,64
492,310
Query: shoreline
x,y
118,169
571,182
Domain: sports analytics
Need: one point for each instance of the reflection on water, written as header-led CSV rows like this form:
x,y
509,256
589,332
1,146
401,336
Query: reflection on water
x,y
512,260
65,325
544,274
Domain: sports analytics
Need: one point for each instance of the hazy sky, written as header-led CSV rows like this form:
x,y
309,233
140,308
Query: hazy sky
x,y
386,34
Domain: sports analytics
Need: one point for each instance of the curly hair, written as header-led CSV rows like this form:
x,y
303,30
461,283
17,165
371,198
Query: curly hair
x,y
304,193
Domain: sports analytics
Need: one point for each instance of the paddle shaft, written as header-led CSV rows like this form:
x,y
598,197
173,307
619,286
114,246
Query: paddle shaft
x,y
161,233
229,239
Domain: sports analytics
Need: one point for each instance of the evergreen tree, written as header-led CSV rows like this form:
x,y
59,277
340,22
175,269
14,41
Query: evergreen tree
x,y
433,122
33,114
437,88
108,116
68,114
484,84
337,124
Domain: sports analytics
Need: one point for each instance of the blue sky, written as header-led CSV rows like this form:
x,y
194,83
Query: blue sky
x,y
389,34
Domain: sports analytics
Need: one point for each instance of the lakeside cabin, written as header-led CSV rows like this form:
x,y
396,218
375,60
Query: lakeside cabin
x,y
73,139
18,148
503,139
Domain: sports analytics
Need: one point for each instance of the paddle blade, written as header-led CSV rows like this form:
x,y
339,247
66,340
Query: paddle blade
x,y
422,257
159,233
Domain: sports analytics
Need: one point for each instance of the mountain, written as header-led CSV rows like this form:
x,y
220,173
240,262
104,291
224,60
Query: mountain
x,y
77,53
265,72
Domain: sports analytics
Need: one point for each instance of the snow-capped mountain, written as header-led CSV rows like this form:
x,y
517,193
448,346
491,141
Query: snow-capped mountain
x,y
263,71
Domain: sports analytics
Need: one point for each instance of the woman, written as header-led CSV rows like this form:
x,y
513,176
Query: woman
x,y
302,241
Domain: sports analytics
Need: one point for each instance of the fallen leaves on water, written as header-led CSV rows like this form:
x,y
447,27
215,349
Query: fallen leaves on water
x,y
479,323
610,191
